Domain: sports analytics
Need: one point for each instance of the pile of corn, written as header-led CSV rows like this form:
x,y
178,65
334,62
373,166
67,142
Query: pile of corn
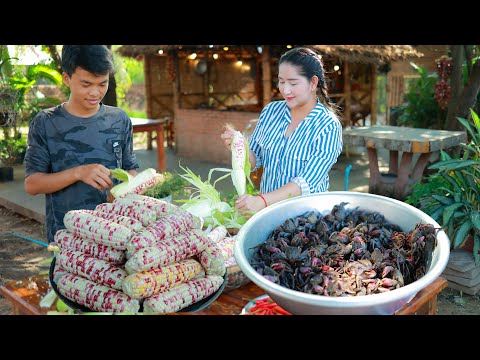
x,y
137,252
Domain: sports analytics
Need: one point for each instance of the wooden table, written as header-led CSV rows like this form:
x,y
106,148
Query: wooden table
x,y
25,298
150,125
400,178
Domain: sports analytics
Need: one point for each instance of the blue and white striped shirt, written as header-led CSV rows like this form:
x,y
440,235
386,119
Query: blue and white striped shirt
x,y
305,157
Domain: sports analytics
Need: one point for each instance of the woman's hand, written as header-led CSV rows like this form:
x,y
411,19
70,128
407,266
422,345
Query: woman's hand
x,y
227,136
249,204
95,175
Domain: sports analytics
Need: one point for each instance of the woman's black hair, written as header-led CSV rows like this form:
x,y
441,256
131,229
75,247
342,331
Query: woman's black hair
x,y
96,59
309,63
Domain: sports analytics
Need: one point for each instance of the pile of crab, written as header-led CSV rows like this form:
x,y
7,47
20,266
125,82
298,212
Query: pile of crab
x,y
347,252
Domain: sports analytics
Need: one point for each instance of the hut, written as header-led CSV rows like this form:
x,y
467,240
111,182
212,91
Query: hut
x,y
200,88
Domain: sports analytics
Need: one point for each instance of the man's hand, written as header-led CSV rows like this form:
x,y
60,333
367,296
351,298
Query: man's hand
x,y
95,175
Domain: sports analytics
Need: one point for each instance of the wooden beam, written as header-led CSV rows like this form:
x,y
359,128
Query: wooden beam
x,y
148,83
373,95
347,117
266,75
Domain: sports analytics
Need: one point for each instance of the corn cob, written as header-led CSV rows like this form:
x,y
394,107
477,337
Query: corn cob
x,y
226,246
58,272
95,296
160,207
217,233
67,240
147,283
212,260
166,226
182,295
99,271
131,223
238,150
231,261
145,216
101,231
167,251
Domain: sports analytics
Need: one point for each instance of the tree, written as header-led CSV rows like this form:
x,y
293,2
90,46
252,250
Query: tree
x,y
465,88
111,95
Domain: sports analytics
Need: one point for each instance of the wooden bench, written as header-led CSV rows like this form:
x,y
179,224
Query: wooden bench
x,y
26,294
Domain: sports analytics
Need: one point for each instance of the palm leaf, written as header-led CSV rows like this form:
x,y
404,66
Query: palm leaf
x,y
476,248
442,199
449,210
461,234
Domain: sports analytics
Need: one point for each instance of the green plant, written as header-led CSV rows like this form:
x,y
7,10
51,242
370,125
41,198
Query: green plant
x,y
420,109
172,184
12,150
455,202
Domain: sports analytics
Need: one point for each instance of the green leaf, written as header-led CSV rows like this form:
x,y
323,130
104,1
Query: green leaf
x,y
442,199
476,249
461,234
437,213
475,218
449,210
120,174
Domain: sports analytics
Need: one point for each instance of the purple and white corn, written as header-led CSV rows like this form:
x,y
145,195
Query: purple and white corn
x,y
167,251
67,240
101,231
182,295
96,270
95,296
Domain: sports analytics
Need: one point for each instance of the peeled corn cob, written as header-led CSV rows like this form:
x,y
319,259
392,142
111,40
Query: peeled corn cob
x,y
58,272
239,151
167,251
146,283
101,231
166,226
145,216
68,240
182,295
160,207
212,260
95,296
131,223
217,233
96,270
226,246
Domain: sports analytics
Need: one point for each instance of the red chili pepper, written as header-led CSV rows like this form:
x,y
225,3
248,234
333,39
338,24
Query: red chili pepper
x,y
267,306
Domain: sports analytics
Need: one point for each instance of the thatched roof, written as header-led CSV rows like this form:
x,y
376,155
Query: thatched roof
x,y
376,54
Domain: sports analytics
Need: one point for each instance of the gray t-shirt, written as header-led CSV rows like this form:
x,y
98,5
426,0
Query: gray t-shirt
x,y
58,141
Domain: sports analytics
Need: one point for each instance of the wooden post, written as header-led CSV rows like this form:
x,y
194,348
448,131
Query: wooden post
x,y
266,75
147,64
258,80
347,117
176,97
373,95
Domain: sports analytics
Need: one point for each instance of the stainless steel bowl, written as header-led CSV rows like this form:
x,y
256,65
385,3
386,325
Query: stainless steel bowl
x,y
261,225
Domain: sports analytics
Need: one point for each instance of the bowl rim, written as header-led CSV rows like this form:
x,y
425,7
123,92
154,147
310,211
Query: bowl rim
x,y
371,299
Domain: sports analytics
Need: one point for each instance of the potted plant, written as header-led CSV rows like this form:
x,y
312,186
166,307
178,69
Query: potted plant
x,y
172,184
8,101
451,196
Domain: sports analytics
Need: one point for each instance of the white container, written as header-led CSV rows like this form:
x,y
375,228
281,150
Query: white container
x,y
260,226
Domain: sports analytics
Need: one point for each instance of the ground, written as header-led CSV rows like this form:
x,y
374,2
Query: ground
x,y
20,258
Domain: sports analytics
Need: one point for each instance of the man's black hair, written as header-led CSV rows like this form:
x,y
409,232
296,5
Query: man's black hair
x,y
96,59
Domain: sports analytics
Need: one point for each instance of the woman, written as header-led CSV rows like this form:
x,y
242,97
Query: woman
x,y
296,140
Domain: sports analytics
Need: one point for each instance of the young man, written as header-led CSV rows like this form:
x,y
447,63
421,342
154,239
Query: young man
x,y
73,146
